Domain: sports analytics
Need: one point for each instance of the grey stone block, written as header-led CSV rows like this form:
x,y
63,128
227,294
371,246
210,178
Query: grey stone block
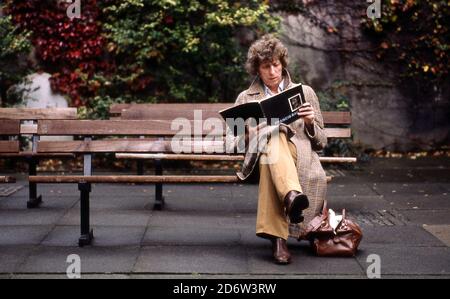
x,y
303,262
191,236
403,260
108,218
30,217
23,235
67,236
192,259
93,259
407,236
427,216
11,257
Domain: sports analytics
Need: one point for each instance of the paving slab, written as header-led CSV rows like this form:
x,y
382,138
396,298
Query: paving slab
x,y
419,201
441,232
12,257
191,236
303,262
408,189
23,235
402,260
355,203
108,217
351,189
193,219
104,236
192,259
430,217
406,236
30,217
45,259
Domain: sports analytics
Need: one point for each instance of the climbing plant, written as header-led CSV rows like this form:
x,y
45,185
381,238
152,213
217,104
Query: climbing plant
x,y
143,50
14,46
415,35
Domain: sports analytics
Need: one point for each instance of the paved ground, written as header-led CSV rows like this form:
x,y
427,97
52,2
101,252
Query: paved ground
x,y
402,205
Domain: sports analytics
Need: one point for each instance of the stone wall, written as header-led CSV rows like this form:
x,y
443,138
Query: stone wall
x,y
383,111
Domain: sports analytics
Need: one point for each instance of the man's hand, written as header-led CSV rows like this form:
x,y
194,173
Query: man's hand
x,y
307,112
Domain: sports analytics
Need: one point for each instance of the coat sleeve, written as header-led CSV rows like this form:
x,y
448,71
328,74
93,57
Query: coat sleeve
x,y
318,137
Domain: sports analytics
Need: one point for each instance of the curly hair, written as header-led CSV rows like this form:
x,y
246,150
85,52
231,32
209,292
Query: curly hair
x,y
267,48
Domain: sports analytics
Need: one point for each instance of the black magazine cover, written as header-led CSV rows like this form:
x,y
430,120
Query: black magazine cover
x,y
280,108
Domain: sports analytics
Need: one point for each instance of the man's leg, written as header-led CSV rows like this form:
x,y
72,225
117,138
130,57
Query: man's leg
x,y
278,176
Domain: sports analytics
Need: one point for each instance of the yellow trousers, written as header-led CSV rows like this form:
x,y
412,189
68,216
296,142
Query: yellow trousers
x,y
278,176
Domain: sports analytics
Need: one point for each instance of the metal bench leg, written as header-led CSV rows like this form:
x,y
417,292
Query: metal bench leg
x,y
159,198
87,234
34,200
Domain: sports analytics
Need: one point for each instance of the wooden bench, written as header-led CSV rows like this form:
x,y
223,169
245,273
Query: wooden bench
x,y
142,140
100,137
9,129
337,126
25,121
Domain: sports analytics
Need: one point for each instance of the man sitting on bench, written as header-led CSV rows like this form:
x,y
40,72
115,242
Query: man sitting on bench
x,y
296,182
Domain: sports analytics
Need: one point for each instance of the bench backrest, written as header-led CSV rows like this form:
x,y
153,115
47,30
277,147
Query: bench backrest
x,y
35,114
337,123
9,128
38,113
155,131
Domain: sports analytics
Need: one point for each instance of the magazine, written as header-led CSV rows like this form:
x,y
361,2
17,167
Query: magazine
x,y
280,108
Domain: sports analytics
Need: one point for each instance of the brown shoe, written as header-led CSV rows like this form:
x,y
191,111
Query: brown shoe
x,y
280,251
295,202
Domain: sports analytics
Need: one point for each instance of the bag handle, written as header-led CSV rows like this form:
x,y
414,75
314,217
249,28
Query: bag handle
x,y
325,208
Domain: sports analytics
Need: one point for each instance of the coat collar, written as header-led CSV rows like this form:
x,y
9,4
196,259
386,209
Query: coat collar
x,y
256,89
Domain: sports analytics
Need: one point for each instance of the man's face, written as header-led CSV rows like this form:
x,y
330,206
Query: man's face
x,y
271,73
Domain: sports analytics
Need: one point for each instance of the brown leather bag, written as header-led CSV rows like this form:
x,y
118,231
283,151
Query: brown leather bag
x,y
326,242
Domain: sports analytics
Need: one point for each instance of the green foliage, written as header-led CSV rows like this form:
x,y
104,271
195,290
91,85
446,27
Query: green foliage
x,y
179,50
415,35
14,45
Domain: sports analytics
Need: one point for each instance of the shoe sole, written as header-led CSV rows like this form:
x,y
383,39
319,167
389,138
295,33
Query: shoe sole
x,y
300,203
282,262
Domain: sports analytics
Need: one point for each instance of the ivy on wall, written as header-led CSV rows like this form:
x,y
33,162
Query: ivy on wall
x,y
143,50
14,45
415,35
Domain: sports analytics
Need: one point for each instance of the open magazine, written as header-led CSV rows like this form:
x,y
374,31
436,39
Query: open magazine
x,y
280,108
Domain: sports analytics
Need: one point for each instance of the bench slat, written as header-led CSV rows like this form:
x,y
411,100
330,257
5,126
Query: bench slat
x,y
181,157
9,127
338,132
162,114
36,155
189,157
137,113
38,113
144,179
141,127
102,146
7,179
125,179
9,146
130,146
116,127
117,108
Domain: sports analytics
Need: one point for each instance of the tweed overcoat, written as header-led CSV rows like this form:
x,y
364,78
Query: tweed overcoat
x,y
311,174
